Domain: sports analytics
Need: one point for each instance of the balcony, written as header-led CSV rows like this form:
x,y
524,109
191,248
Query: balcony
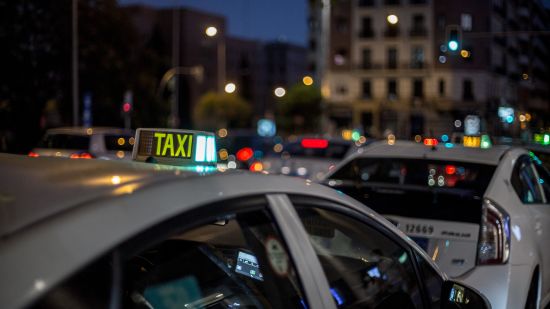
x,y
391,32
366,34
418,32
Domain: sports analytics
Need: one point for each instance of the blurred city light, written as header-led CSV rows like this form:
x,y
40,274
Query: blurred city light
x,y
211,31
525,76
223,154
230,87
89,131
115,180
126,107
355,136
464,53
453,45
280,92
391,139
392,19
131,141
418,138
222,132
522,118
442,59
120,154
307,80
444,138
121,141
458,123
346,134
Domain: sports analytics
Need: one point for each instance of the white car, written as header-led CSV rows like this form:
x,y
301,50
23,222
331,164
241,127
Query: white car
x,y
86,143
483,215
105,234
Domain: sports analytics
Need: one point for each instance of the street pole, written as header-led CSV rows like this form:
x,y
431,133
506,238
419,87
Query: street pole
x,y
174,117
75,62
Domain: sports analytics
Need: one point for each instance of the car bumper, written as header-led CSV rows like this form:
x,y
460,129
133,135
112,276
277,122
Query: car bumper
x,y
505,286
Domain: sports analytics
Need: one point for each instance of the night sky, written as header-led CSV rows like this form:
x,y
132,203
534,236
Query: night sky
x,y
256,19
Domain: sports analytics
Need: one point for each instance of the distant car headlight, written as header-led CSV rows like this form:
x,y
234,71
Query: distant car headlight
x,y
302,171
285,170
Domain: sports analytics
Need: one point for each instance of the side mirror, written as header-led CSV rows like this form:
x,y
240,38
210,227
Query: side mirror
x,y
457,295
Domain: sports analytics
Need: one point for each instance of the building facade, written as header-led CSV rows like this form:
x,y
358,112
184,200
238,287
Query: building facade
x,y
389,68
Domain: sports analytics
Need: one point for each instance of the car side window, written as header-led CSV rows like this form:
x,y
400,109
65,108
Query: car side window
x,y
239,260
525,182
544,180
364,268
432,281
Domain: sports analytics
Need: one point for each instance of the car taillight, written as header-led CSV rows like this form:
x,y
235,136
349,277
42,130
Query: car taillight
x,y
257,166
33,154
494,236
83,155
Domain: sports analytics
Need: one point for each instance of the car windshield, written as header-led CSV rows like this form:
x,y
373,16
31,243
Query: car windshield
x,y
65,141
327,150
417,188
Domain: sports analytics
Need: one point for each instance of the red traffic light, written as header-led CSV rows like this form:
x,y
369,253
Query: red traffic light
x,y
126,107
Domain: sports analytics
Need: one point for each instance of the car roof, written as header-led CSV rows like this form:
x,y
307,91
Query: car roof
x,y
60,214
58,184
412,150
85,130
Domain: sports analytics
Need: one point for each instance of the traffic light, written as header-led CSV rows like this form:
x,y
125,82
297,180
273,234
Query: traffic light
x,y
454,38
127,103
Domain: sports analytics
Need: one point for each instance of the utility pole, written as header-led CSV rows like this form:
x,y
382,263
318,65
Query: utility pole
x,y
75,62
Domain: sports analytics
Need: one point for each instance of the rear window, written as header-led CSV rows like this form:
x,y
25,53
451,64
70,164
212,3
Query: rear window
x,y
119,142
333,150
65,141
428,189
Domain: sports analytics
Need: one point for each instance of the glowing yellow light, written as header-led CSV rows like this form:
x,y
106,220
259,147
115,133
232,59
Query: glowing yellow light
x,y
223,154
471,141
89,131
279,92
58,154
120,154
121,141
131,141
418,138
525,76
230,88
528,117
307,80
362,140
392,19
222,132
346,134
115,180
278,148
522,118
464,53
211,31
391,139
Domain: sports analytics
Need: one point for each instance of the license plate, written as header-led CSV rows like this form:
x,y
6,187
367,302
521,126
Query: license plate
x,y
422,242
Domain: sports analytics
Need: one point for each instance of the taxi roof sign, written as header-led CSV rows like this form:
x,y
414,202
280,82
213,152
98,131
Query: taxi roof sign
x,y
175,147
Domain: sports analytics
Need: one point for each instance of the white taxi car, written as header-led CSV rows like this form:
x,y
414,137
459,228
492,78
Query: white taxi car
x,y
105,234
483,215
86,143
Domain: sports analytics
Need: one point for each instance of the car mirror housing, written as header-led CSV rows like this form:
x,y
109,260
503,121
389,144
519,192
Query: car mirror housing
x,y
458,295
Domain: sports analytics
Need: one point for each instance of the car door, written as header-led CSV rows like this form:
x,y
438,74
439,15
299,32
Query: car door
x,y
530,182
365,265
224,255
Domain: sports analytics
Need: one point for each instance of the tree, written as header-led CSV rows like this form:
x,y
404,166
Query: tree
x,y
216,110
299,111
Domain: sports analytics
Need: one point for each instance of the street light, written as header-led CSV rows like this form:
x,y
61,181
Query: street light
x,y
307,80
230,87
392,19
279,92
212,31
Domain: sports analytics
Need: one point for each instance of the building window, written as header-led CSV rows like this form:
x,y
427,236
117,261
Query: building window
x,y
392,58
441,87
342,90
366,3
417,57
366,28
418,28
366,61
418,88
467,90
466,22
392,89
366,87
340,58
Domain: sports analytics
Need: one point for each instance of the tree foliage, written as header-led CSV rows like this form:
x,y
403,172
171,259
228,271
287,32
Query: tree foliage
x,y
216,110
299,111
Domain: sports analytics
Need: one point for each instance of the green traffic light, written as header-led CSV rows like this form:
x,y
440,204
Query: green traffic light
x,y
453,45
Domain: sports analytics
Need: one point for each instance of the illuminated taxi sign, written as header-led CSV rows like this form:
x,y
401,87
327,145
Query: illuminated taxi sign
x,y
543,139
471,141
175,147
